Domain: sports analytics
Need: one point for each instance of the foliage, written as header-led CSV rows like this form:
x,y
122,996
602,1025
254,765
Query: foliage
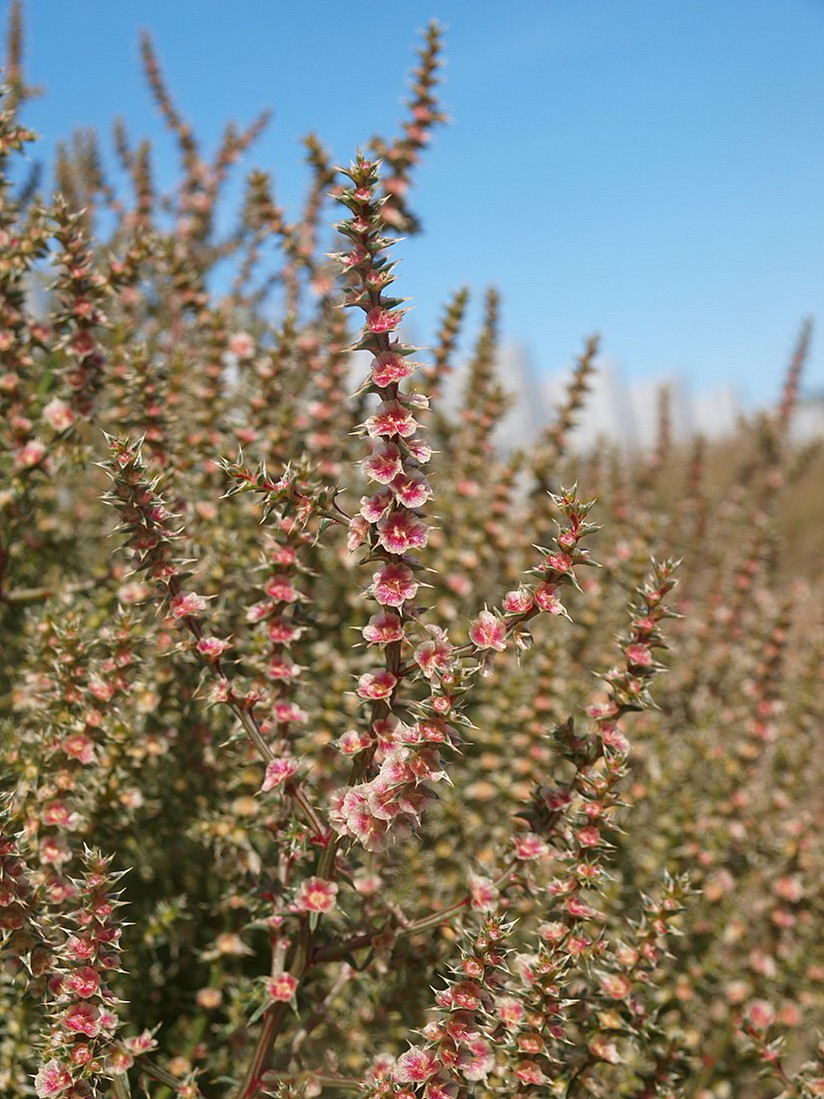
x,y
315,729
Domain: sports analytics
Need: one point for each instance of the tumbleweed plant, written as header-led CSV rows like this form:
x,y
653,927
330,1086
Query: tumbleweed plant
x,y
338,756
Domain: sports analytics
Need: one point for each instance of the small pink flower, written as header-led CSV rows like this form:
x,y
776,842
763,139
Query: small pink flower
x,y
285,712
281,589
83,1019
188,605
761,1014
58,415
357,533
400,531
528,1072
278,771
384,464
389,368
282,631
434,655
589,837
374,507
80,747
547,598
51,1079
614,738
351,742
242,345
529,846
392,419
141,1043
517,602
212,648
30,455
605,1050
316,895
394,584
416,1065
84,981
639,656
382,320
616,985
509,1011
82,343
419,450
411,489
559,562
488,632
282,987
484,894
376,685
383,628
580,909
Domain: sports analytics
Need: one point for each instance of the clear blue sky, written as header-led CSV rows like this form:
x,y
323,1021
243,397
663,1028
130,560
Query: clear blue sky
x,y
649,169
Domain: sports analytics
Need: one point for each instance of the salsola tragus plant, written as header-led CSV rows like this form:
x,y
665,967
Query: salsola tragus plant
x,y
323,772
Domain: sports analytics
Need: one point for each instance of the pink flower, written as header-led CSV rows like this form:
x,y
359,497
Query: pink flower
x,y
351,742
394,584
604,1050
282,987
761,1014
616,985
58,415
242,345
383,628
30,455
509,1011
434,655
285,711
589,836
528,1072
84,981
141,1043
51,1079
484,893
212,648
281,589
476,1060
83,1019
419,451
376,685
416,1065
529,846
389,368
411,489
580,909
316,895
373,507
546,596
559,562
400,531
80,747
639,656
392,419
282,631
488,632
357,533
382,320
188,605
517,602
384,464
278,771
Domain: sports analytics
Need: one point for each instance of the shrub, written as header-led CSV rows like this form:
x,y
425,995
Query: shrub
x,y
310,785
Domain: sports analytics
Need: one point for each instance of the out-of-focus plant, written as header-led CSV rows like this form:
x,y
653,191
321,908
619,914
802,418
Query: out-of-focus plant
x,y
308,785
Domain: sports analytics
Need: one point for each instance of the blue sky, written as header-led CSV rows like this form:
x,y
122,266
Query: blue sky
x,y
649,169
